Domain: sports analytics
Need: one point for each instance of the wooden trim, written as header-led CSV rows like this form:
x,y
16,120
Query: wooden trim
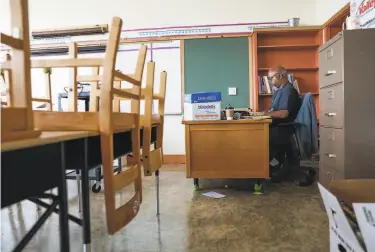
x,y
182,65
254,59
326,34
344,11
187,150
287,29
174,159
251,83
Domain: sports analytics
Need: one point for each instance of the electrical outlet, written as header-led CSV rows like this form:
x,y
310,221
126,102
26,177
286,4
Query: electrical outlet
x,y
232,91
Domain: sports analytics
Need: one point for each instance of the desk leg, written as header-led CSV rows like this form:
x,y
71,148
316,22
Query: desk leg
x,y
259,186
157,191
63,202
86,202
196,184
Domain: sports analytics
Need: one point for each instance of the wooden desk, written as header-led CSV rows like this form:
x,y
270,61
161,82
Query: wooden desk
x,y
227,149
32,166
27,163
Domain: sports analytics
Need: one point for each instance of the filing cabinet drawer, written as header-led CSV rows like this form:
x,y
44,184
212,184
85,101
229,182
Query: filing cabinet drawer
x,y
332,148
331,64
331,102
327,174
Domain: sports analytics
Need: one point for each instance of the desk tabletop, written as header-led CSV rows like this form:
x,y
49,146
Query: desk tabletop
x,y
46,137
49,137
241,121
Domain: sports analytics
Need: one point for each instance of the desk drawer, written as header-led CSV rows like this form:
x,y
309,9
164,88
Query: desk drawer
x,y
331,64
331,101
332,145
327,174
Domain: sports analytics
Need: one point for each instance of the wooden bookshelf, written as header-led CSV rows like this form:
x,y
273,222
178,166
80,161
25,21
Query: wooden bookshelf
x,y
296,50
334,25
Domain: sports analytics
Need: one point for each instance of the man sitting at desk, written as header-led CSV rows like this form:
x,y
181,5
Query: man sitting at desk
x,y
283,109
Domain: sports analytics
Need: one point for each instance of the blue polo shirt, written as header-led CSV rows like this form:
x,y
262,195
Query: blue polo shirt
x,y
286,98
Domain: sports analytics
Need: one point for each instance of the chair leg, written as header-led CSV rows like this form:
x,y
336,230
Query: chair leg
x,y
157,192
78,178
86,202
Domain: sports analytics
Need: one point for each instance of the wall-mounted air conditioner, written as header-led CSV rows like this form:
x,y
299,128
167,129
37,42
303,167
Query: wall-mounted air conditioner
x,y
70,31
64,50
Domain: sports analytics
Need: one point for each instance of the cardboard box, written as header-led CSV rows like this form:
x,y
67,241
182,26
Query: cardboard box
x,y
202,106
360,195
364,11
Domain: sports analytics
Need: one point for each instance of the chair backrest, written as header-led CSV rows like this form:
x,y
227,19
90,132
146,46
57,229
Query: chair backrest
x,y
105,120
95,79
46,100
17,120
153,159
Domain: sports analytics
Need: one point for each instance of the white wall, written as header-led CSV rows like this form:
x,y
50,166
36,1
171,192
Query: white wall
x,y
162,13
326,9
151,13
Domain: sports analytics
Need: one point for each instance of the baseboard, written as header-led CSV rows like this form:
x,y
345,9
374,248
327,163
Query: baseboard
x,y
174,159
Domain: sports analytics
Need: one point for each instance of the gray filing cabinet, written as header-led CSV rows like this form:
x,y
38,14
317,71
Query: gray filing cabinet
x,y
347,106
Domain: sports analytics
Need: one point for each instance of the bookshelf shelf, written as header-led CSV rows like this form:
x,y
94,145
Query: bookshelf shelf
x,y
292,68
270,95
296,50
288,47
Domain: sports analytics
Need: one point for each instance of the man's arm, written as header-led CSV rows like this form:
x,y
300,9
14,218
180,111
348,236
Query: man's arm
x,y
277,114
287,101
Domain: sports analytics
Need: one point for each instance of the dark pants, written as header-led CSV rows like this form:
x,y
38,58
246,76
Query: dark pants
x,y
279,142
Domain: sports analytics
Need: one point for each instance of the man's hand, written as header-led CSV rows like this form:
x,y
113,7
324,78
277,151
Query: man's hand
x,y
277,114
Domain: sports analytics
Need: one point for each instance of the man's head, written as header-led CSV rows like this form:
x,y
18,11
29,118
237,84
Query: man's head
x,y
277,76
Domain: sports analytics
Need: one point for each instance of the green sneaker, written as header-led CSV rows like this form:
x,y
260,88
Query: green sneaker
x,y
258,189
196,188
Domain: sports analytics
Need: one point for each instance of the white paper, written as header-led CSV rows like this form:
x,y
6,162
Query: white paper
x,y
274,162
341,234
214,195
365,214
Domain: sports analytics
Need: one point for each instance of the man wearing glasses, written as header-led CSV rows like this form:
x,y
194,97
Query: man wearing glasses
x,y
283,110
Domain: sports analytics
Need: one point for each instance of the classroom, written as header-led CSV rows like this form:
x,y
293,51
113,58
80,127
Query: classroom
x,y
160,126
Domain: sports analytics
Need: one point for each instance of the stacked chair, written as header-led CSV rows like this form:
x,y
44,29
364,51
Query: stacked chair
x,y
19,121
104,121
152,159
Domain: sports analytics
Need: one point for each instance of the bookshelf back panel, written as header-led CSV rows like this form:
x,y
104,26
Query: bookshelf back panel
x,y
264,103
306,81
288,58
287,38
335,30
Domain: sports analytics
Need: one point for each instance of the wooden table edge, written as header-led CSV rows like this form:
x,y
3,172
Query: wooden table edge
x,y
268,121
46,137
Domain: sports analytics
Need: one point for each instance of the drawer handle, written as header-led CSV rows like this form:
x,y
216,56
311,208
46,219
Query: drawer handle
x,y
330,114
328,173
330,155
330,73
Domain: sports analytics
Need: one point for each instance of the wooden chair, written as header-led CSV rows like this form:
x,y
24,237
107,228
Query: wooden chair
x,y
152,159
106,122
6,79
95,81
46,101
17,119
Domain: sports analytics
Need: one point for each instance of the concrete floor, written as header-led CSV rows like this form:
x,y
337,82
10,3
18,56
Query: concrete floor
x,y
286,218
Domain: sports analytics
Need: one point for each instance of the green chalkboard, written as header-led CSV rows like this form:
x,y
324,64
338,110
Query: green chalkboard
x,y
216,64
